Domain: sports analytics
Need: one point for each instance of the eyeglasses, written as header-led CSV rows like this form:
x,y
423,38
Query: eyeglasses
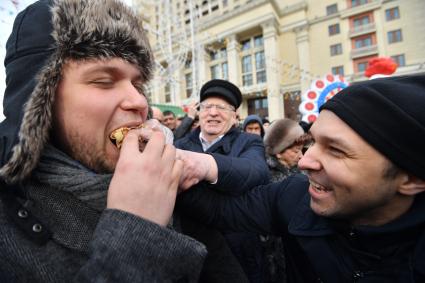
x,y
219,107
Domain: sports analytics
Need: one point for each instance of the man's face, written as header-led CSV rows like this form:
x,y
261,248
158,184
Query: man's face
x,y
93,99
347,174
157,114
290,156
170,121
253,128
215,122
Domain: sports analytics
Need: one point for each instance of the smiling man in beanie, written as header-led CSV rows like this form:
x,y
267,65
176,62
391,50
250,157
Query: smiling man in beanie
x,y
360,214
237,156
73,206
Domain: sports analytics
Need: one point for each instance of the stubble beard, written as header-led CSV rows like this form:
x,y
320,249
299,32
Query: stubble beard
x,y
90,154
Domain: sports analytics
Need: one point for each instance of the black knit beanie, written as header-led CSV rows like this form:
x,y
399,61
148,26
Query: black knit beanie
x,y
389,114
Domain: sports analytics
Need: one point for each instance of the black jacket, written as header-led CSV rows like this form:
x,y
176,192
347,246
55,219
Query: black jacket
x,y
319,249
241,166
240,160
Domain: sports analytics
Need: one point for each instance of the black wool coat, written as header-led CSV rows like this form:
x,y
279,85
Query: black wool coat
x,y
319,249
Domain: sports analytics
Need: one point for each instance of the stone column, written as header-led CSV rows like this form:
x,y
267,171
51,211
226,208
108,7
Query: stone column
x,y
233,60
274,97
203,67
303,45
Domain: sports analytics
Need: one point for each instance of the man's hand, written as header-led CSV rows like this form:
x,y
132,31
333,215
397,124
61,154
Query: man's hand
x,y
145,184
196,167
193,109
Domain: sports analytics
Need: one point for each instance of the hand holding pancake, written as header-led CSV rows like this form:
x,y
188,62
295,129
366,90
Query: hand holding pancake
x,y
145,184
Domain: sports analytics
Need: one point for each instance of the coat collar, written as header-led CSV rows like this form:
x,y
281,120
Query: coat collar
x,y
306,223
225,142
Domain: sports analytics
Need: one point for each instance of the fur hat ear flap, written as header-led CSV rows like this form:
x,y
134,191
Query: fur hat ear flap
x,y
280,135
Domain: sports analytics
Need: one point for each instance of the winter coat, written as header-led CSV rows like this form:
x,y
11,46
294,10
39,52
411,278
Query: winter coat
x,y
319,249
184,128
46,234
53,237
278,171
240,160
241,166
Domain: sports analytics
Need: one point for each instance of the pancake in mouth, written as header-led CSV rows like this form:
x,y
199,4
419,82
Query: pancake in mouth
x,y
117,136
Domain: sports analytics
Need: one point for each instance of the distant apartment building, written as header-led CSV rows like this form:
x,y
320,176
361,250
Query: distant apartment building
x,y
273,49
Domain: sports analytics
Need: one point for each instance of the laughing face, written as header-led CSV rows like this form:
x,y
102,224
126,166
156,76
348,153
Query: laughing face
x,y
93,99
347,175
214,121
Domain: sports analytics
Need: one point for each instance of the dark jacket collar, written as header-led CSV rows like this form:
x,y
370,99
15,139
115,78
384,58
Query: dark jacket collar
x,y
225,143
306,223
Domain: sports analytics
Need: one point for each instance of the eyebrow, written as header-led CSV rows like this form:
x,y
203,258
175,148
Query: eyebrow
x,y
332,140
111,70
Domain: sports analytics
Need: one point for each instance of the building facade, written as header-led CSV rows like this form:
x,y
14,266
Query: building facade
x,y
273,49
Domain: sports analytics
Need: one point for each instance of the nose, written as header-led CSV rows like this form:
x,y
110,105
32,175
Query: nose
x,y
213,110
309,160
133,99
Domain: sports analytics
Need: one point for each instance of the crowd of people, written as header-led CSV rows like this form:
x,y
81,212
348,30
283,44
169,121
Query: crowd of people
x,y
201,199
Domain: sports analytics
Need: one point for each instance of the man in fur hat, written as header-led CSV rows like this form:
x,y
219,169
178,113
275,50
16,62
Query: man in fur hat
x,y
73,206
359,214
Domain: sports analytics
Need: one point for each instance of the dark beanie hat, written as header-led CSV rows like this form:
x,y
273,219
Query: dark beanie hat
x,y
223,89
388,113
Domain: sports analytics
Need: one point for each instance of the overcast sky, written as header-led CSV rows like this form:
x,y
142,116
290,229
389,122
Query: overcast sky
x,y
8,11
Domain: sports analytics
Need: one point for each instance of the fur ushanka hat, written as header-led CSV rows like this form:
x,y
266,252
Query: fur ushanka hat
x,y
44,36
280,135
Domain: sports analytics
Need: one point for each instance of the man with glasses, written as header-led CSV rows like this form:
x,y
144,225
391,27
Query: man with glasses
x,y
239,157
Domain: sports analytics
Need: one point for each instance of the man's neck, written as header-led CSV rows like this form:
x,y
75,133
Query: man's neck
x,y
384,214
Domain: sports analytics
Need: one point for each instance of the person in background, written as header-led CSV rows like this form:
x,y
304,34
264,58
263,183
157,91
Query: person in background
x,y
253,125
170,120
284,141
358,215
189,122
239,158
306,126
157,114
266,123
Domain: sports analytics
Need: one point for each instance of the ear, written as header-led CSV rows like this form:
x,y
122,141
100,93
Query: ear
x,y
411,185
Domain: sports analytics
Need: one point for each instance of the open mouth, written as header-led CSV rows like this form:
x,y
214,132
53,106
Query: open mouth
x,y
318,188
118,135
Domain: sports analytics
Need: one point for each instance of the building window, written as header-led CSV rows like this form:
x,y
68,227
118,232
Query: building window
x,y
355,3
332,9
362,21
246,45
338,70
246,70
336,49
333,29
215,72
253,61
225,71
218,66
361,66
399,59
395,36
258,41
167,93
258,106
392,14
189,84
363,42
260,67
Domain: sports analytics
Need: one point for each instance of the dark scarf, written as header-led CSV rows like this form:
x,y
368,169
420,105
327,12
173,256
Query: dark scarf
x,y
58,170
